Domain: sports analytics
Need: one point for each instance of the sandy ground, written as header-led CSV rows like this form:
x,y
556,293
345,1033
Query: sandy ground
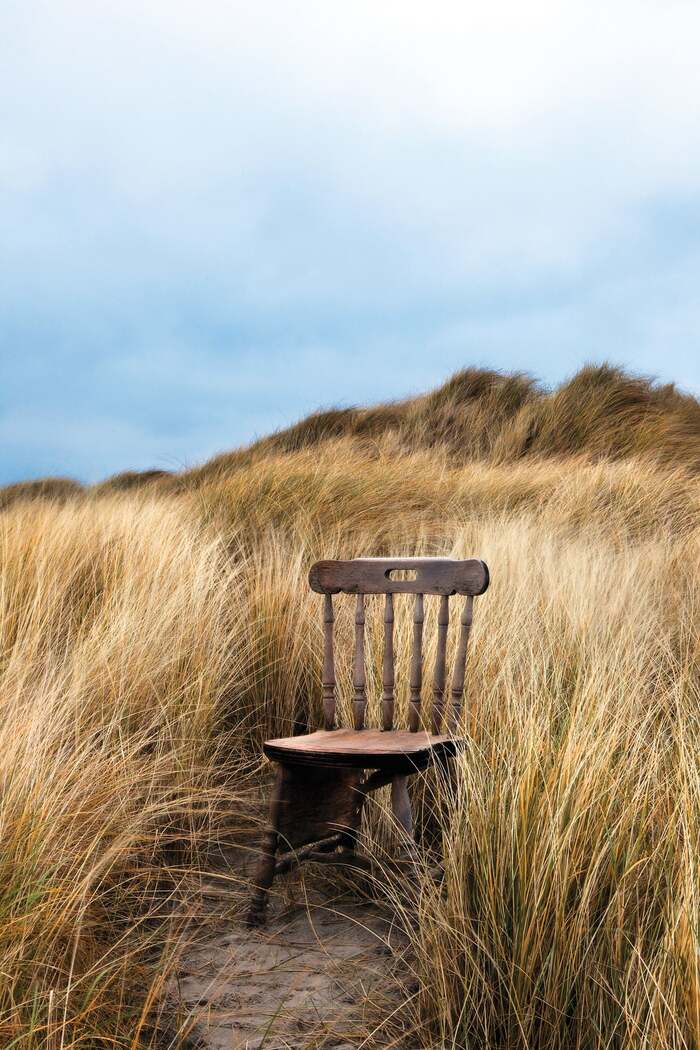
x,y
322,972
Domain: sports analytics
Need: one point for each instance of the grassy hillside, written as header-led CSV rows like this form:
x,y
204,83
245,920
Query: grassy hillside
x,y
154,629
488,416
477,415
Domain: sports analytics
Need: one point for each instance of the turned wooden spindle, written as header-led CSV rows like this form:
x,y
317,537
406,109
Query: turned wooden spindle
x,y
416,679
440,661
328,679
457,690
388,665
358,676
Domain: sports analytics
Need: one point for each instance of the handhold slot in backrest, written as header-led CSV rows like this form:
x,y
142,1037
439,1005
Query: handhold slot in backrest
x,y
401,574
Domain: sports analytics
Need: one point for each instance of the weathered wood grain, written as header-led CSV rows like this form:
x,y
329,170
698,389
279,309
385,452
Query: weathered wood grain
x,y
440,665
265,871
322,784
398,751
416,676
372,576
328,680
388,665
359,676
457,689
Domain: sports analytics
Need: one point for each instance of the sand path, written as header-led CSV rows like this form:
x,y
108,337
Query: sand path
x,y
322,972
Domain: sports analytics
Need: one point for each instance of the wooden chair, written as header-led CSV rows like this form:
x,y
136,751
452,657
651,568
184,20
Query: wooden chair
x,y
322,783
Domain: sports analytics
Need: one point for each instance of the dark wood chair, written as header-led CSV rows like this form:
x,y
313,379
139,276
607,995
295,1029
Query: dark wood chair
x,y
323,778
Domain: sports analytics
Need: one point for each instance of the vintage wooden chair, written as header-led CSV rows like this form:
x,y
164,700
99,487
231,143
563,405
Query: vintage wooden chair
x,y
321,783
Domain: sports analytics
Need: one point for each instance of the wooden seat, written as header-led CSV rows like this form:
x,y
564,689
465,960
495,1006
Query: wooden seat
x,y
321,783
398,751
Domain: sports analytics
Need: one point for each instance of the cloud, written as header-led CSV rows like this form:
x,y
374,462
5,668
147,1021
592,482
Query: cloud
x,y
216,216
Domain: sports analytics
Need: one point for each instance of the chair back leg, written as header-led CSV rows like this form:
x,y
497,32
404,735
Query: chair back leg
x,y
401,804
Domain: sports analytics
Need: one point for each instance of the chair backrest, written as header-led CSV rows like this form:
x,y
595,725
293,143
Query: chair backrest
x,y
431,576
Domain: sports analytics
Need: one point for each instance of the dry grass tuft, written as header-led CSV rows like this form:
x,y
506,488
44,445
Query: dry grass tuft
x,y
601,412
568,915
128,480
150,639
57,489
115,659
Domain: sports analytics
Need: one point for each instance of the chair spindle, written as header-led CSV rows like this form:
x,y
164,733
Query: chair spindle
x,y
328,678
457,691
440,660
416,680
388,665
358,677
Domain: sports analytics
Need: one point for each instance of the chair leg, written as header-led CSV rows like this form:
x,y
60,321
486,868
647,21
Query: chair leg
x,y
265,872
401,807
308,806
401,804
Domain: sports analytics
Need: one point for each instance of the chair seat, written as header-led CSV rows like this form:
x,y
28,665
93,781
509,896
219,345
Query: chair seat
x,y
395,750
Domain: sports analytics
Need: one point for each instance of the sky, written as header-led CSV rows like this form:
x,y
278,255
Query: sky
x,y
216,217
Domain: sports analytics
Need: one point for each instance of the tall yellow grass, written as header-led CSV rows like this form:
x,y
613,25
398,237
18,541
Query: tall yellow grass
x,y
151,639
115,660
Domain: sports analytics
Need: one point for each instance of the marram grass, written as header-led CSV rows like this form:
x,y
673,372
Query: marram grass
x,y
150,639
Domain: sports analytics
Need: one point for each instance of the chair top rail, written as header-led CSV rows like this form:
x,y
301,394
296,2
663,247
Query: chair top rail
x,y
374,576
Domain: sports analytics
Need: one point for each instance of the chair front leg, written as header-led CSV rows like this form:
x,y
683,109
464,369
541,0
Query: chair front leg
x,y
265,871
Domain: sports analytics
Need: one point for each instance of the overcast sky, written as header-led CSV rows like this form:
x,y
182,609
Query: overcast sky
x,y
217,216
